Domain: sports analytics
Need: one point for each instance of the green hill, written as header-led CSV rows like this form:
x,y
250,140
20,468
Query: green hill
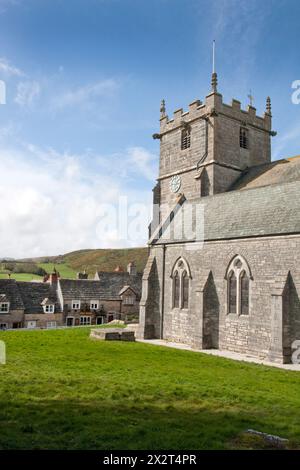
x,y
91,260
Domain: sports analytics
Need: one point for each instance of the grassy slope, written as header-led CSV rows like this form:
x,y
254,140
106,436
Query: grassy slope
x,y
64,270
62,390
91,260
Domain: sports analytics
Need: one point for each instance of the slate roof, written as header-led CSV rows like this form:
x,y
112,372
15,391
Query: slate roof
x,y
259,211
125,288
278,172
114,282
10,289
107,288
34,293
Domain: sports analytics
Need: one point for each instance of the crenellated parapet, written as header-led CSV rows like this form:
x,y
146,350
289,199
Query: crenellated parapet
x,y
214,106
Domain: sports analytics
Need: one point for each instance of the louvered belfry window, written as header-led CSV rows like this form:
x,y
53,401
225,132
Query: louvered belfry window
x,y
185,139
244,139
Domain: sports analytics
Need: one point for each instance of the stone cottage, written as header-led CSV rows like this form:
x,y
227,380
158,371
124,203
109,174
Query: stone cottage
x,y
28,305
59,302
224,264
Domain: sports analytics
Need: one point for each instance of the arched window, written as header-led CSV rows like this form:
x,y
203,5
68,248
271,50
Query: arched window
x,y
244,294
176,290
181,284
238,283
185,138
232,292
185,290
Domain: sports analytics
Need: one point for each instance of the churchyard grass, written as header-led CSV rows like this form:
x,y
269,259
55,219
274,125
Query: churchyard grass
x,y
62,390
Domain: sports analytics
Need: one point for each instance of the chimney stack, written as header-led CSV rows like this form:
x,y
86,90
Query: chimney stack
x,y
81,276
131,268
53,278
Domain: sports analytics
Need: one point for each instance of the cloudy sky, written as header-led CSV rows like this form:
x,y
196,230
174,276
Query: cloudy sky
x,y
84,80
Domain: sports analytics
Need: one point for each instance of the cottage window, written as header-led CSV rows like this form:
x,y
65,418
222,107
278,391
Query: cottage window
x,y
51,324
94,305
4,307
85,320
49,308
185,139
3,326
238,280
244,138
129,300
75,304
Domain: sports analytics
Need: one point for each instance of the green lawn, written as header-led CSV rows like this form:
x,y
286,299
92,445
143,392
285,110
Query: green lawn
x,y
64,270
21,276
61,390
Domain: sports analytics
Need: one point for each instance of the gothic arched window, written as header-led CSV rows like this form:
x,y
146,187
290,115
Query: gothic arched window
x,y
185,290
185,138
181,284
238,284
176,290
244,293
232,292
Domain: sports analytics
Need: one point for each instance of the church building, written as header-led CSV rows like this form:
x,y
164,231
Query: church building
x,y
224,261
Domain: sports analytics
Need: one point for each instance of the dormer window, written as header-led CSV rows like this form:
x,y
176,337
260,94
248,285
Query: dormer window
x,y
4,307
185,138
49,308
244,138
75,304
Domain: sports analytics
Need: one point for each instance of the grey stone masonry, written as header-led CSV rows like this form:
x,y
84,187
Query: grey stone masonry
x,y
234,286
215,159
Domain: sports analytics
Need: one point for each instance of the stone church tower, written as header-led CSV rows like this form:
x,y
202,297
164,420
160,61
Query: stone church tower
x,y
238,289
206,149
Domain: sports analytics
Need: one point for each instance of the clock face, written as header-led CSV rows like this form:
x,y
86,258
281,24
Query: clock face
x,y
175,183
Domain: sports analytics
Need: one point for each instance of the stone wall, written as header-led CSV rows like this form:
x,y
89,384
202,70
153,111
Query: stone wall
x,y
43,318
14,316
269,259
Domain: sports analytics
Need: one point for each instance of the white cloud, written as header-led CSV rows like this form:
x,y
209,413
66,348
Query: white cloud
x,y
54,202
143,162
8,69
133,163
284,141
85,95
27,93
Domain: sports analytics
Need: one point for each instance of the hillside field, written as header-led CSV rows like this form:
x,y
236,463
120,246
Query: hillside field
x,y
62,390
92,260
69,264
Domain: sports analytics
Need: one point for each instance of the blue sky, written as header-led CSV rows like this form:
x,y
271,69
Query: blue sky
x,y
84,80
